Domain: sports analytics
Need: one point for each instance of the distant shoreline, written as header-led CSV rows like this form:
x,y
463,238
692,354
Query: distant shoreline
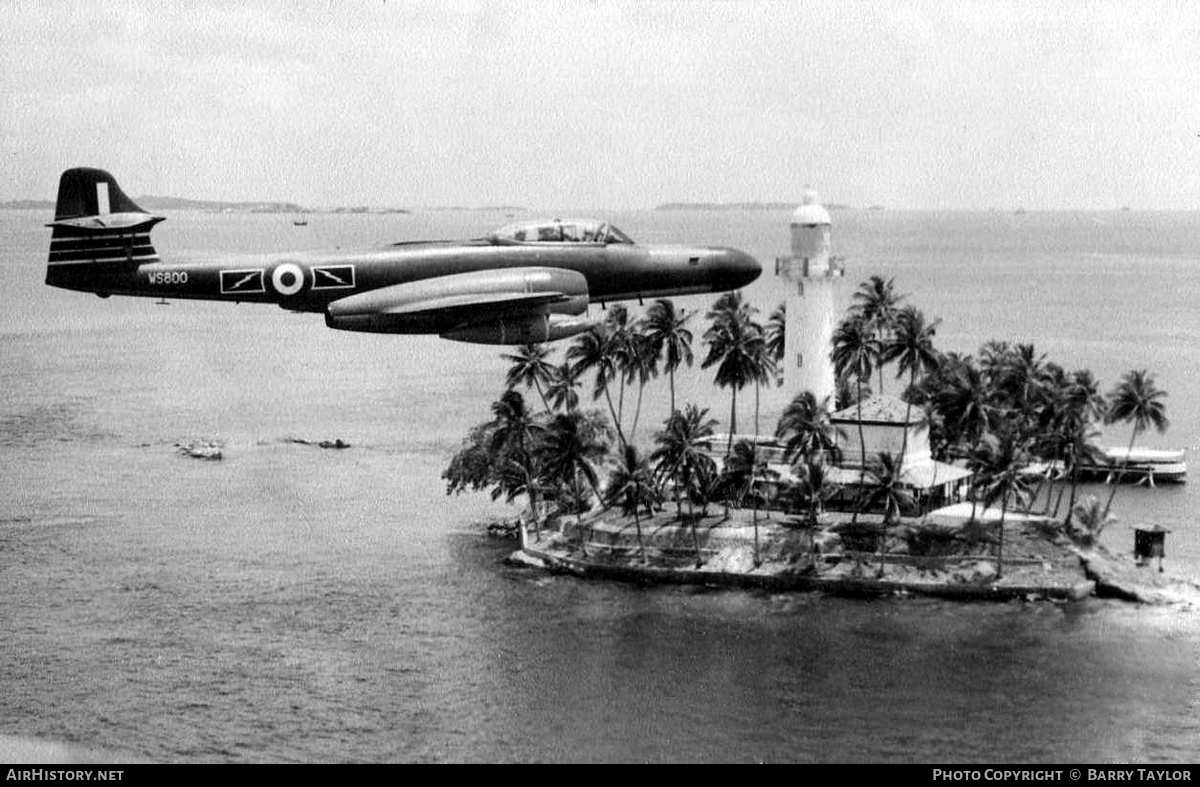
x,y
217,206
747,206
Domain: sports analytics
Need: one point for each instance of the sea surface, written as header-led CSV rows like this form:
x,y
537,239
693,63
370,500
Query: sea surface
x,y
293,604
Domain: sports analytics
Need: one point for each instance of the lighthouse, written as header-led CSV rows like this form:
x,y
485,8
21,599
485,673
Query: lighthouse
x,y
811,281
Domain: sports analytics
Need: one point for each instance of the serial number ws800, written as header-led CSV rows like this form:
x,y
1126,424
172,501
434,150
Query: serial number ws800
x,y
167,277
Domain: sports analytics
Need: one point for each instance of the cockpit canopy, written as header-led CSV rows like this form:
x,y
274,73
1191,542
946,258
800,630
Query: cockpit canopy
x,y
559,231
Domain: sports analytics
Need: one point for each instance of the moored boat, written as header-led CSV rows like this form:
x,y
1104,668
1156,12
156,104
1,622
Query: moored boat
x,y
1141,465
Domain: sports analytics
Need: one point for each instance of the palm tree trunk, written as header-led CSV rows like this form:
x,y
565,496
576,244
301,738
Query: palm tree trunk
x,y
579,516
881,546
675,475
1071,502
672,379
812,538
621,402
538,384
533,512
1062,490
695,535
637,413
756,397
1000,557
862,444
1121,472
1049,480
754,519
637,521
616,418
732,423
912,380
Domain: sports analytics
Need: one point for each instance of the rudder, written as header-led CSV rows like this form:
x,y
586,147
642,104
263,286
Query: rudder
x,y
95,222
90,192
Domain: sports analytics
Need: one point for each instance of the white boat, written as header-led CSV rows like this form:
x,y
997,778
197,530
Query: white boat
x,y
1141,465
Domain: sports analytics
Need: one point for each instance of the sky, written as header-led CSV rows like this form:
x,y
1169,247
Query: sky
x,y
935,104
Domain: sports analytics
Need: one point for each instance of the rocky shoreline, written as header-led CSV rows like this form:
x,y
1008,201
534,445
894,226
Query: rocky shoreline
x,y
1036,565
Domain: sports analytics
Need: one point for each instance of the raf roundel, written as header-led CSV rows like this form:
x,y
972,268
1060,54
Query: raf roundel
x,y
287,279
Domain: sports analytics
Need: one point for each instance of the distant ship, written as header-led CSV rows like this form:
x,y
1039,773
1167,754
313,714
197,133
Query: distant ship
x,y
300,222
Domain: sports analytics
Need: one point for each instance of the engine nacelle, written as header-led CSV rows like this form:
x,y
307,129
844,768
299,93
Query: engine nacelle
x,y
487,302
524,329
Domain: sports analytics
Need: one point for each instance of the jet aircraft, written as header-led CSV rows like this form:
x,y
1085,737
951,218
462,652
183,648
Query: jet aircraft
x,y
523,283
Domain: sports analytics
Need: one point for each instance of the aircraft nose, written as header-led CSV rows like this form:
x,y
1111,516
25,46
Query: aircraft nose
x,y
733,269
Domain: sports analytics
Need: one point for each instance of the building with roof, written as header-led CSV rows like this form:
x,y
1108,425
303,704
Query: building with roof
x,y
889,425
885,420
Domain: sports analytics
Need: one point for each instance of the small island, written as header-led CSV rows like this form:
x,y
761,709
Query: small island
x,y
962,483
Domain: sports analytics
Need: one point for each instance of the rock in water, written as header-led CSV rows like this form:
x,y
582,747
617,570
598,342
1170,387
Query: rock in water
x,y
200,449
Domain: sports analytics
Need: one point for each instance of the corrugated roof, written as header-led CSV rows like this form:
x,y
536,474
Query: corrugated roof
x,y
879,409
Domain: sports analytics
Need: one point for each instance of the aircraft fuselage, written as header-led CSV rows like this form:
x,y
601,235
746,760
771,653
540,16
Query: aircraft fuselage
x,y
527,282
310,281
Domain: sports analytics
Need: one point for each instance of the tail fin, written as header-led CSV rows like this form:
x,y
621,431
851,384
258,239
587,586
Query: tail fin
x,y
94,222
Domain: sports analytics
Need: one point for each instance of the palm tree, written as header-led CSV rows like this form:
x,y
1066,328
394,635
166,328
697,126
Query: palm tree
x,y
679,457
731,305
805,429
678,452
631,486
595,350
735,346
743,467
641,364
887,492
876,302
1025,373
855,353
1004,458
776,339
530,368
620,346
514,479
1083,449
763,370
911,346
1052,438
848,391
666,330
515,440
812,485
571,448
561,390
1137,400
961,400
1017,378
1080,406
1090,519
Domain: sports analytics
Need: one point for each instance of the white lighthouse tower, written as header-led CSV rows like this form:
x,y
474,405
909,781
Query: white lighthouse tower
x,y
811,280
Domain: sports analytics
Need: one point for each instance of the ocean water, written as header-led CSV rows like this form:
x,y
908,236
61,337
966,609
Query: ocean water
x,y
296,604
